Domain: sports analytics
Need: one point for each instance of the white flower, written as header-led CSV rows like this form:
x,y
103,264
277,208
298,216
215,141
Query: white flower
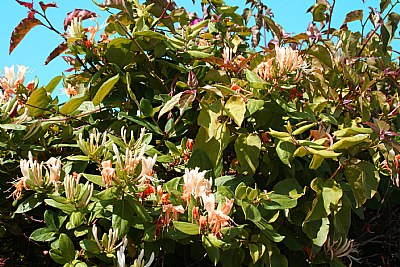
x,y
75,30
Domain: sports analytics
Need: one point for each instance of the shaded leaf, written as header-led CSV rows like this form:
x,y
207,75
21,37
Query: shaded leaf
x,y
248,149
21,30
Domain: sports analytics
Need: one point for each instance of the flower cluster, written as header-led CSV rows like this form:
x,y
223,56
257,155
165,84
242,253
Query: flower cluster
x,y
32,175
286,61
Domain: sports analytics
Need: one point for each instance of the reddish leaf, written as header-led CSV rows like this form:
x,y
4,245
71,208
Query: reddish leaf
x,y
25,4
21,30
78,13
70,60
56,52
31,14
45,6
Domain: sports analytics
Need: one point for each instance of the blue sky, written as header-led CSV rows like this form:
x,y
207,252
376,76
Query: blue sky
x,y
38,43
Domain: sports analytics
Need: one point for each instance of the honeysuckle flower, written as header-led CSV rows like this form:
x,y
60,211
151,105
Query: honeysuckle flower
x,y
286,61
216,218
70,90
32,171
76,193
10,82
121,253
54,166
139,262
147,169
168,208
75,30
195,184
19,185
109,241
93,148
92,30
107,173
31,86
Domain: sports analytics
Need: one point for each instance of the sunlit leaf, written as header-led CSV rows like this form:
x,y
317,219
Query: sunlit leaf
x,y
21,30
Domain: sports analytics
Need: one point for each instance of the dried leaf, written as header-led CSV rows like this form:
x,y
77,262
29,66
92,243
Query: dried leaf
x,y
78,13
56,52
31,14
25,4
45,6
21,30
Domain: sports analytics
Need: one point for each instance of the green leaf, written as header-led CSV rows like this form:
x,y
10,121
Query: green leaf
x,y
347,142
170,104
122,217
38,102
121,51
151,34
53,84
316,161
75,220
269,231
42,234
198,54
104,89
187,228
29,204
67,247
253,105
363,179
304,128
317,230
139,209
318,12
15,127
324,153
251,212
254,80
72,105
256,251
62,206
90,246
145,107
96,179
285,151
247,148
322,54
213,252
241,191
236,108
141,122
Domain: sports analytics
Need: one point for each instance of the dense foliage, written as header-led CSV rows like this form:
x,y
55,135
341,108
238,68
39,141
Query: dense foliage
x,y
186,138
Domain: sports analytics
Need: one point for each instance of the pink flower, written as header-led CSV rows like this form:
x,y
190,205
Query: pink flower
x,y
217,218
195,184
108,172
168,208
